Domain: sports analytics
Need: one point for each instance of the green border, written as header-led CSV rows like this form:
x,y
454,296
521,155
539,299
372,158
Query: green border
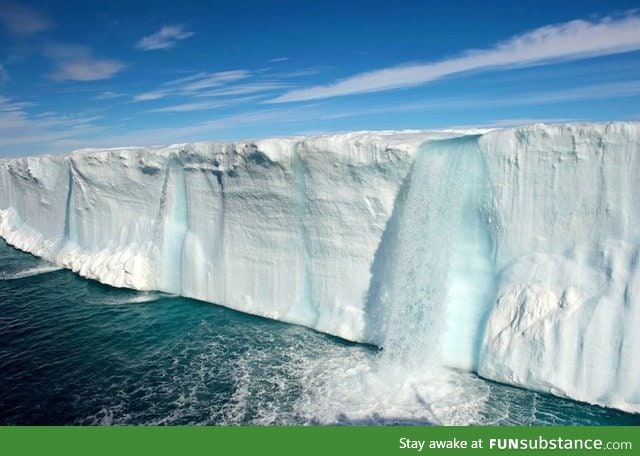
x,y
369,441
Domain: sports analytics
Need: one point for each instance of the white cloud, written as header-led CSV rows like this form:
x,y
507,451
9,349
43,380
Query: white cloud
x,y
8,105
108,95
73,62
148,96
206,130
279,59
311,71
218,79
73,121
623,89
20,21
22,133
87,70
77,63
568,41
190,85
244,89
189,107
165,38
203,105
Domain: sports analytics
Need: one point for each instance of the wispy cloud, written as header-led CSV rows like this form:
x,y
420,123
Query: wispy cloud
x,y
202,130
77,63
108,95
54,119
89,69
186,79
148,96
45,132
190,85
189,107
202,105
21,21
9,105
165,38
244,89
72,62
279,59
312,71
561,42
218,79
626,89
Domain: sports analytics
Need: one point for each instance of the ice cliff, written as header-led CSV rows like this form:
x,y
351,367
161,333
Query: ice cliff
x,y
514,253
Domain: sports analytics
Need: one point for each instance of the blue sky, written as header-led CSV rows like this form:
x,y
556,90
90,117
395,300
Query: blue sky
x,y
77,74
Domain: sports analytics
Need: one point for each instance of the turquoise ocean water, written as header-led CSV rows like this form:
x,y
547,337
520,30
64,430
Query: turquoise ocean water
x,y
73,351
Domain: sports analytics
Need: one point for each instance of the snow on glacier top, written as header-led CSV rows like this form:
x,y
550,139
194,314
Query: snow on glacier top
x,y
407,140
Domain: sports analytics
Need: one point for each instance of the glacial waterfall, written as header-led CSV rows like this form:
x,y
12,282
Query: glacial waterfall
x,y
434,263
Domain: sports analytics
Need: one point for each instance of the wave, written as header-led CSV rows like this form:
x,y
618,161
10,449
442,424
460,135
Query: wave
x,y
138,298
31,272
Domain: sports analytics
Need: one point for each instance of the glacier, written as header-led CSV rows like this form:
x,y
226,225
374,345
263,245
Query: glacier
x,y
513,253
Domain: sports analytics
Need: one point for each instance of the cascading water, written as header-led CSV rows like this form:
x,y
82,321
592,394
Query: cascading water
x,y
437,257
431,289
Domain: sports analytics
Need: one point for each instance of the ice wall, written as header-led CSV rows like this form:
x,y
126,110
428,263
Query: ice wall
x,y
513,253
285,229
566,221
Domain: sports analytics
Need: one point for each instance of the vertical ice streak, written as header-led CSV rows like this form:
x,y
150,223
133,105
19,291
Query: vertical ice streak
x,y
218,253
173,220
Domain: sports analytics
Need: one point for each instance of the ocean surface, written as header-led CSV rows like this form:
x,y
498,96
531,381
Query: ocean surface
x,y
73,351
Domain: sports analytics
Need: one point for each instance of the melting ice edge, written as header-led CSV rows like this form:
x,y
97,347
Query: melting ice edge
x,y
514,253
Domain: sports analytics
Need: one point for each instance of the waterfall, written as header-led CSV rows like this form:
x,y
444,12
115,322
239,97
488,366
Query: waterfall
x,y
433,270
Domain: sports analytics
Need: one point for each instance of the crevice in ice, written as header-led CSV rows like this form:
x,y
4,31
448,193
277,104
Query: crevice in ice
x,y
218,175
69,217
